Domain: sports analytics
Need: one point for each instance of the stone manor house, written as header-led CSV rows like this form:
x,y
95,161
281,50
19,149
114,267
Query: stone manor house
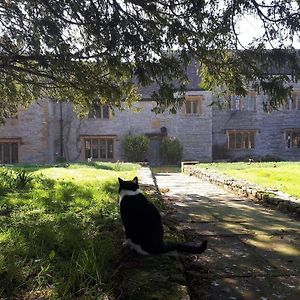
x,y
49,130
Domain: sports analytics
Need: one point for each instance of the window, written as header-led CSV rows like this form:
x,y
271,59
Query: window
x,y
194,105
99,148
9,153
247,103
293,103
292,138
241,139
99,111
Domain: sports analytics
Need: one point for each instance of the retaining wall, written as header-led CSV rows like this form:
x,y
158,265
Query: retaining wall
x,y
274,198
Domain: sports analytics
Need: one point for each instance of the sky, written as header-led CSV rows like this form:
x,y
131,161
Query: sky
x,y
250,27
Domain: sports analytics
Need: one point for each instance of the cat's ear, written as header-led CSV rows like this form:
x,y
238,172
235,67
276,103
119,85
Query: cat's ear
x,y
135,180
120,180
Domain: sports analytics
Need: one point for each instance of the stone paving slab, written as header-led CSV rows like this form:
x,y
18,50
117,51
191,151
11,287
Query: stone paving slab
x,y
283,252
228,256
253,251
256,288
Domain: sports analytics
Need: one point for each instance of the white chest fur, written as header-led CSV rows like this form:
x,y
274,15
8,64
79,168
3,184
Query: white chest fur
x,y
124,193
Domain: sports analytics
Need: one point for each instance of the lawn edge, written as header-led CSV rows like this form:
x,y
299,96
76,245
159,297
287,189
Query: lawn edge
x,y
248,190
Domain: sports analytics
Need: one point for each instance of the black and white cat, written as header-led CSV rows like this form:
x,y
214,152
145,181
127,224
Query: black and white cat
x,y
143,225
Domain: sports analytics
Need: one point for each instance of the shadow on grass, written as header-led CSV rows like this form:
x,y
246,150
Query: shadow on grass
x,y
58,240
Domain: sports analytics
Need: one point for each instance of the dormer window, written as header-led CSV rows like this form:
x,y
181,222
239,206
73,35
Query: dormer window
x,y
99,111
247,103
194,105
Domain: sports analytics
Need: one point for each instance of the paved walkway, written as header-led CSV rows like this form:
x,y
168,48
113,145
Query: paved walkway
x,y
253,252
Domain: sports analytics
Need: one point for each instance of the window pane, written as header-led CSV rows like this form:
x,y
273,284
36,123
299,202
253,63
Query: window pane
x,y
110,148
14,153
88,149
239,138
95,149
188,107
244,102
296,139
244,143
251,140
288,139
298,101
105,111
6,153
237,103
195,107
231,143
91,113
294,102
103,152
251,100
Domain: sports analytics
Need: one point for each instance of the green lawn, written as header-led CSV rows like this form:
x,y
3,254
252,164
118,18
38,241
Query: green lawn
x,y
284,176
60,232
166,169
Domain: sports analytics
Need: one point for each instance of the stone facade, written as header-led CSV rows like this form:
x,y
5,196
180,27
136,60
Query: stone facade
x,y
193,131
48,129
270,131
32,131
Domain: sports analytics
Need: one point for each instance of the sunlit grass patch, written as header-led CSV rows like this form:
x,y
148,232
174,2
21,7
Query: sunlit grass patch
x,y
60,234
283,176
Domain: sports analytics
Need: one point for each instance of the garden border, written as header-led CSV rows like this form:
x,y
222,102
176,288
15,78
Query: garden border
x,y
276,199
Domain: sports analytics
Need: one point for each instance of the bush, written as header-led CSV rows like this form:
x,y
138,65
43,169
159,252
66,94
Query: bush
x,y
171,150
14,179
136,147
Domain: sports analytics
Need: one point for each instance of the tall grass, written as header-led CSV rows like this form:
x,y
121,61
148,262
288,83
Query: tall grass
x,y
60,234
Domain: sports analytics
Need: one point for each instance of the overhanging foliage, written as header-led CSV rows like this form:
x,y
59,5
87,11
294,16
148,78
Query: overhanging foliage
x,y
77,50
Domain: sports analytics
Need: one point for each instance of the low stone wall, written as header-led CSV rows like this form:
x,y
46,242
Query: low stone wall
x,y
277,199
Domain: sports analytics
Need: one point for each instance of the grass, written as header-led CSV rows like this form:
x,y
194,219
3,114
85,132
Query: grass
x,y
283,176
60,231
166,169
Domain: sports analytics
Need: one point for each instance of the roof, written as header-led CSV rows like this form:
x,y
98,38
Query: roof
x,y
194,80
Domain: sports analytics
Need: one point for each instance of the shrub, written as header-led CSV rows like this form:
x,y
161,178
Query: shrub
x,y
136,147
22,179
11,179
171,150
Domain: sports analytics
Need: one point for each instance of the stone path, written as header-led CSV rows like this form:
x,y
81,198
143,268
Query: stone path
x,y
253,252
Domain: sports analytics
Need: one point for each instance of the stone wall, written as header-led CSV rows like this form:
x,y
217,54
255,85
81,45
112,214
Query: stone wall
x,y
193,131
31,128
269,129
276,199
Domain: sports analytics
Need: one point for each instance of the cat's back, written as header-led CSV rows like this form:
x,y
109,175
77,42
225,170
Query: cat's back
x,y
139,207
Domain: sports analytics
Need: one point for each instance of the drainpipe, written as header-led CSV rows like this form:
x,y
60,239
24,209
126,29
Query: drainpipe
x,y
61,131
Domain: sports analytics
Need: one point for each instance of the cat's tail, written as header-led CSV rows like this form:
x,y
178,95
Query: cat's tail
x,y
167,247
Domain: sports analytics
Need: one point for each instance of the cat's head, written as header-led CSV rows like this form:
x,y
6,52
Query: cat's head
x,y
131,185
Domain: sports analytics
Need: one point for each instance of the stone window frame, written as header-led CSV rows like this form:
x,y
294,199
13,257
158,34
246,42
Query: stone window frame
x,y
97,138
293,103
198,100
292,138
97,112
248,139
242,103
10,142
